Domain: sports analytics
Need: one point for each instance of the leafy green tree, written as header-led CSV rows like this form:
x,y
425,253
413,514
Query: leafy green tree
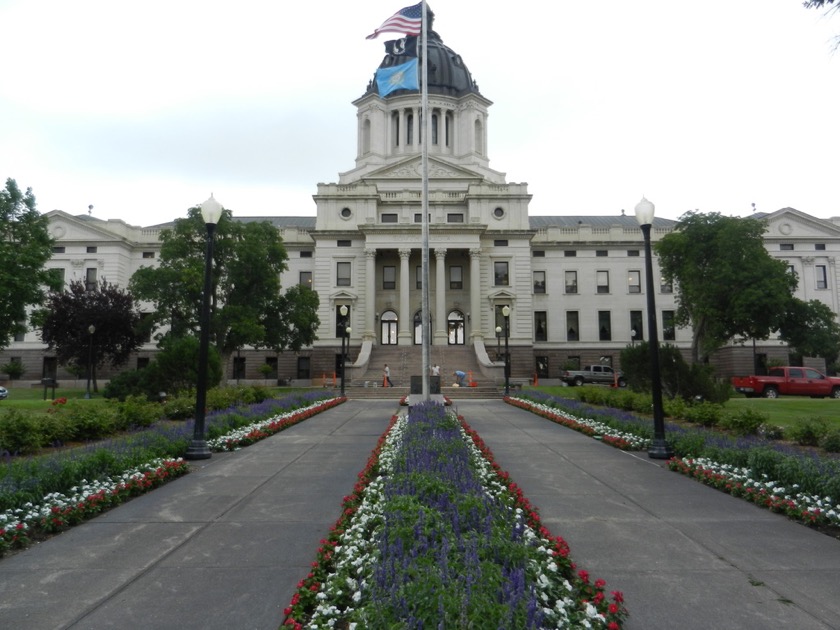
x,y
25,247
66,319
247,306
727,285
811,329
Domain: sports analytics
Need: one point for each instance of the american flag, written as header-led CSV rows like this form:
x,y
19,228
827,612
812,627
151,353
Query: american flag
x,y
408,20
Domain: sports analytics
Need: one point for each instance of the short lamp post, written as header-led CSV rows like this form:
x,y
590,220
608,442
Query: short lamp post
x,y
498,342
506,314
211,212
345,333
659,448
91,330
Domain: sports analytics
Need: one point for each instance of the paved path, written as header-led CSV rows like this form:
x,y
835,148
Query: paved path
x,y
224,546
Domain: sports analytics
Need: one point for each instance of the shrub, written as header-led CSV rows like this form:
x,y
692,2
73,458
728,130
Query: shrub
x,y
807,431
831,441
706,414
136,411
745,422
88,421
20,433
771,432
180,407
675,407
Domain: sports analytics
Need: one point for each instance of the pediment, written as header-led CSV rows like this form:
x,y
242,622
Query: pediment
x,y
412,168
66,227
789,223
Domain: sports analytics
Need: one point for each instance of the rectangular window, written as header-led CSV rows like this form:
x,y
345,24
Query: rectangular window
x,y
148,254
500,274
306,253
389,277
418,217
601,253
570,253
90,279
786,247
634,281
665,286
542,367
822,276
456,277
538,253
20,335
633,253
343,274
540,326
59,249
389,217
418,276
305,279
500,242
455,217
58,276
573,362
303,368
572,326
636,326
91,249
820,247
602,281
146,326
539,282
344,243
571,282
271,370
604,326
238,367
669,331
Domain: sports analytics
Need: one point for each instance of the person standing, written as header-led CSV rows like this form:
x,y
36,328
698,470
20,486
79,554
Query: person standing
x,y
435,370
386,377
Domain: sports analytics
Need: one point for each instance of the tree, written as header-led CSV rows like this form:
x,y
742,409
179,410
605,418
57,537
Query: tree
x,y
811,329
25,247
246,303
727,284
66,319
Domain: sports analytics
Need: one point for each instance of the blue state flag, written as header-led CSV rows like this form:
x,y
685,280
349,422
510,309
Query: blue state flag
x,y
401,77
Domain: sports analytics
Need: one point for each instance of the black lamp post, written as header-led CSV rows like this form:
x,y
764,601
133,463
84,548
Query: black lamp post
x,y
211,212
498,342
345,333
91,330
506,313
659,448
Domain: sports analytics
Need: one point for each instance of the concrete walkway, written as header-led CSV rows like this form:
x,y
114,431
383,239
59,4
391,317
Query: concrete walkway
x,y
224,546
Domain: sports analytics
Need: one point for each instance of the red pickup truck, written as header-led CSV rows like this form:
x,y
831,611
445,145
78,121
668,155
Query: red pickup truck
x,y
791,381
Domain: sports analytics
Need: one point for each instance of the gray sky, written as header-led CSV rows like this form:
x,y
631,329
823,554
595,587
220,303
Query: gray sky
x,y
143,109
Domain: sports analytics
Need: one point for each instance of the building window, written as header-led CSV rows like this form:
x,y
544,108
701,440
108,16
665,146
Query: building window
x,y
539,282
572,326
389,217
634,281
786,247
669,331
148,254
59,249
306,253
540,326
238,367
305,279
636,326
604,326
822,277
346,213
343,274
542,367
147,326
143,363
601,253
499,213
58,276
418,277
455,217
500,273
602,281
633,253
303,368
271,370
500,242
570,253
571,282
665,286
820,247
456,277
538,253
20,334
344,243
91,249
572,362
418,217
389,277
90,279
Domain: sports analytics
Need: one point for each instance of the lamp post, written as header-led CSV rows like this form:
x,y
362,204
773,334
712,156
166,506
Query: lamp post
x,y
506,313
211,212
498,342
91,330
659,448
345,330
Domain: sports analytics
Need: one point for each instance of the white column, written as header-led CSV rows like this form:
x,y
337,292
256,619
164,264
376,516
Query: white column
x,y
440,296
370,294
406,317
477,316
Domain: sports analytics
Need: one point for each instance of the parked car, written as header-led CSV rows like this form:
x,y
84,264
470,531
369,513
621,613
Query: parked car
x,y
603,374
4,393
788,380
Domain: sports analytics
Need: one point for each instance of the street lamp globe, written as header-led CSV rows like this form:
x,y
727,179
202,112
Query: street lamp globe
x,y
211,211
644,212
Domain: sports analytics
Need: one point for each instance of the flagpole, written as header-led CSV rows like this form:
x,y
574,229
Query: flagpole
x,y
424,201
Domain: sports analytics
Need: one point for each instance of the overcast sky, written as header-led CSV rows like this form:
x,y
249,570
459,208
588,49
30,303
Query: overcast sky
x,y
143,109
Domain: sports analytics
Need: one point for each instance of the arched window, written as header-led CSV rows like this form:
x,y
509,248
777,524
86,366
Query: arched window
x,y
418,329
478,140
366,136
456,328
388,328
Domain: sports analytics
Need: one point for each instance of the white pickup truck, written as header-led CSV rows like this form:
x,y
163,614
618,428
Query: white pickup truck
x,y
602,374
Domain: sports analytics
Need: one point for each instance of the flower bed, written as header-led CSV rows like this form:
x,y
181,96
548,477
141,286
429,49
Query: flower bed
x,y
436,534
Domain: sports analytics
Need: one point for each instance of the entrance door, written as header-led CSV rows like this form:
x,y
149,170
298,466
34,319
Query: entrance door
x,y
388,328
455,328
418,329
